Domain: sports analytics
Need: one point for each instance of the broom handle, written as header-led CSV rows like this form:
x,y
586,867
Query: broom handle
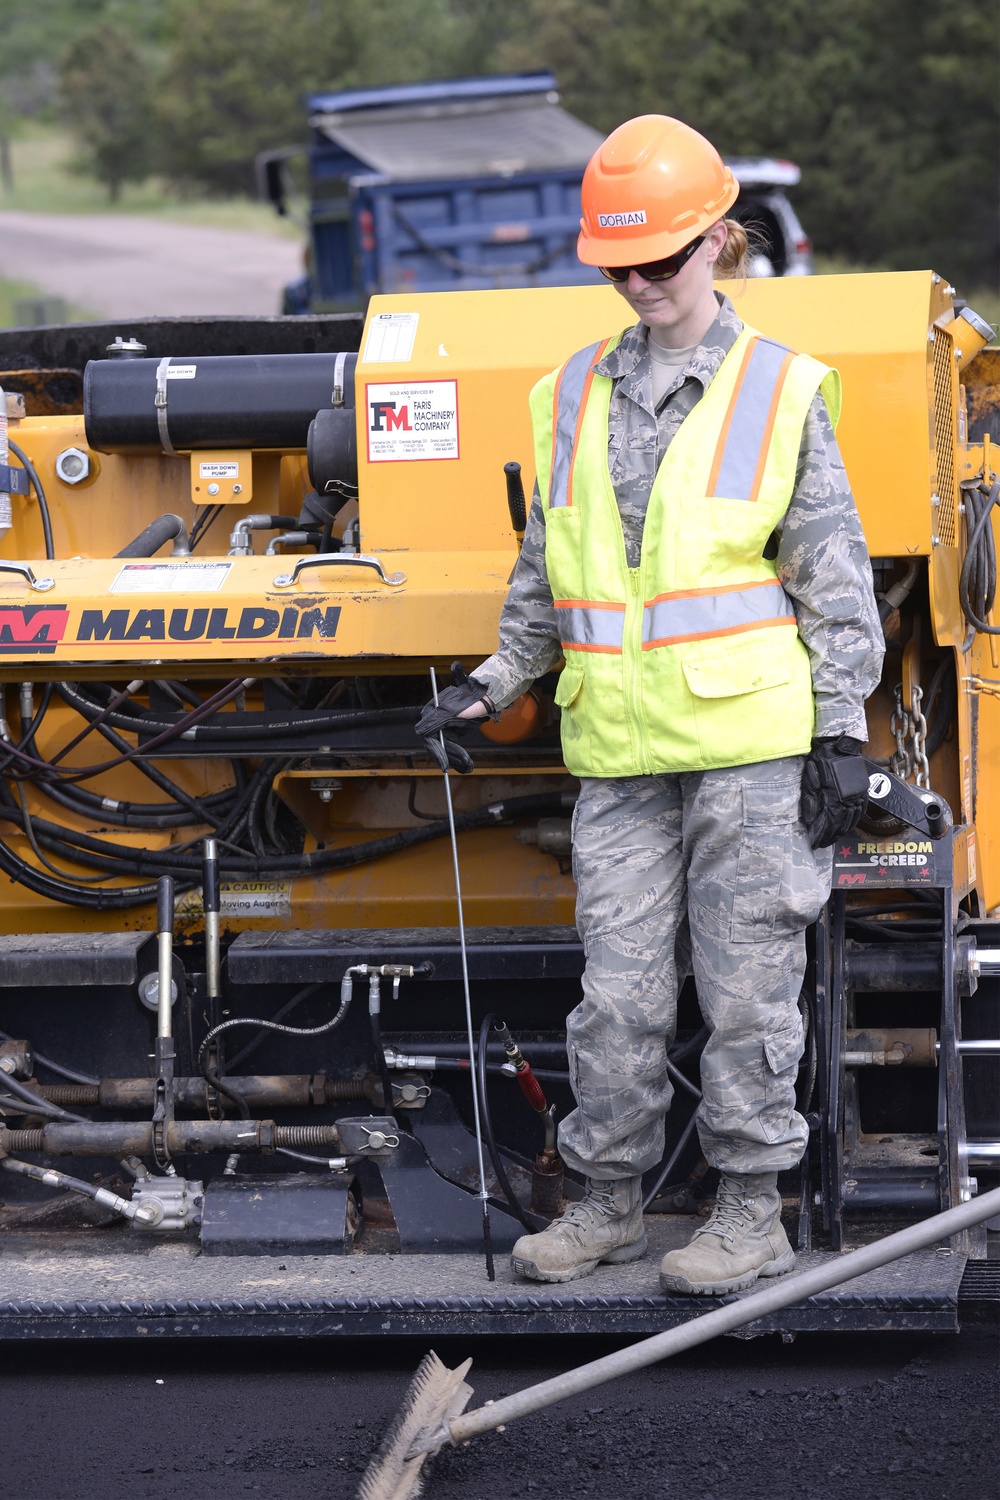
x,y
783,1293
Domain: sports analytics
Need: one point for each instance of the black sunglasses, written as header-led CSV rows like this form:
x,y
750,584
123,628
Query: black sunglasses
x,y
654,270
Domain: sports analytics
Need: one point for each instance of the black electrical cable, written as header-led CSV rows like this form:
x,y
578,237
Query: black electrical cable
x,y
99,854
55,1067
977,581
39,1106
179,729
413,810
375,1027
319,1161
26,742
303,723
203,521
672,1161
499,1171
43,504
803,1095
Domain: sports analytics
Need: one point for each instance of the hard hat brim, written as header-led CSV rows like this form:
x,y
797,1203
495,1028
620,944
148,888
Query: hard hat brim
x,y
633,248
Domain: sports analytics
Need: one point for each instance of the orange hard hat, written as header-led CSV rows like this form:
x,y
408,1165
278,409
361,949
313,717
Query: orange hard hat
x,y
649,190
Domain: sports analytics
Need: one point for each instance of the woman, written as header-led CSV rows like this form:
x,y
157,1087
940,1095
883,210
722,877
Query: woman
x,y
694,553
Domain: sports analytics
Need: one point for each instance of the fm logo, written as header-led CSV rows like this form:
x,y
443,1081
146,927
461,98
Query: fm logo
x,y
387,412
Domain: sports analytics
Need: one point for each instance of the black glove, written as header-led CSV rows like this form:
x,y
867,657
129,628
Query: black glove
x,y
834,789
463,693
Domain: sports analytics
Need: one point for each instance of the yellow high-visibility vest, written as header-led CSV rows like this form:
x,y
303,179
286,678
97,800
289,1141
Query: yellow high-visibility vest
x,y
691,660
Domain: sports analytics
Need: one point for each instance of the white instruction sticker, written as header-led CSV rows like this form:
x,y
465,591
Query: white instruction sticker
x,y
181,372
390,338
243,898
171,578
219,471
412,421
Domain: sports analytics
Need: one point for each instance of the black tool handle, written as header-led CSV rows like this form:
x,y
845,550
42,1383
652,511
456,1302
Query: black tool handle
x,y
516,503
165,904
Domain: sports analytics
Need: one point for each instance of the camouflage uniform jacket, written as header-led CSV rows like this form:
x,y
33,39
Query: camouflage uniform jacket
x,y
822,559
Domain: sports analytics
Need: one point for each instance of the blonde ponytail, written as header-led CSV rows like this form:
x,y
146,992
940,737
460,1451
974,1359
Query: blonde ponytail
x,y
734,257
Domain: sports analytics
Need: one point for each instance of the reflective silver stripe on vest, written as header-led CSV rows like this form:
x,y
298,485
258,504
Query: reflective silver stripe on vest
x,y
590,629
748,426
714,614
569,394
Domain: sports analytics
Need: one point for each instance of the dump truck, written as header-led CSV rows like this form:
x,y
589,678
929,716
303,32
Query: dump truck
x,y
262,1070
465,184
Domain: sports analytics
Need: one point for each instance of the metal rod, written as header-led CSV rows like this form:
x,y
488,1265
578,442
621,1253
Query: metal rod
x,y
981,1152
988,960
483,1195
783,1293
165,954
210,902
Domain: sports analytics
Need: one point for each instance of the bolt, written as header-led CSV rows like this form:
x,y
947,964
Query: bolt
x,y
237,489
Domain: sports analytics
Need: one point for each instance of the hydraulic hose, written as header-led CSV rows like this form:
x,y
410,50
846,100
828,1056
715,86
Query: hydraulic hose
x,y
124,1206
99,854
977,582
54,1067
168,528
496,1160
43,504
143,723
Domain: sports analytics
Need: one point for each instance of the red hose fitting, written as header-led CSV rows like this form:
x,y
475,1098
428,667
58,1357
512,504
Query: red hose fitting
x,y
531,1088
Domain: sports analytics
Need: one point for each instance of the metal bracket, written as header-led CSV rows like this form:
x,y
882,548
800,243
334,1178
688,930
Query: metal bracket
x,y
40,585
338,560
13,481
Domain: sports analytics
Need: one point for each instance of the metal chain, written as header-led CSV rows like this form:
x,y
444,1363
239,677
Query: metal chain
x,y
901,761
909,730
918,727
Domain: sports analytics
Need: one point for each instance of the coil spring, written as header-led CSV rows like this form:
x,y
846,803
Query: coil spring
x,y
306,1135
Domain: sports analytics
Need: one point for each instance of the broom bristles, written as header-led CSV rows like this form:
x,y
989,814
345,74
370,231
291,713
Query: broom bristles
x,y
435,1393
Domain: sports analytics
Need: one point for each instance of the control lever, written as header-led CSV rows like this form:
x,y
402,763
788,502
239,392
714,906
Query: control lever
x,y
890,796
163,1097
516,502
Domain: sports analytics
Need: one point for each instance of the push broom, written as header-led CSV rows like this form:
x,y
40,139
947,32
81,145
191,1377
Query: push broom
x,y
431,1415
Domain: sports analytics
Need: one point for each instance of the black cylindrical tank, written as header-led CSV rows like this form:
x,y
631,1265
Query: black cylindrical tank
x,y
229,401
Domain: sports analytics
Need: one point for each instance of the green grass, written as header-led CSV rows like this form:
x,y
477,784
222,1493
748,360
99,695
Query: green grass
x,y
46,181
58,311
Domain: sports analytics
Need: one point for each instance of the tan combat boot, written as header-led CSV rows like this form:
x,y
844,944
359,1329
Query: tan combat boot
x,y
606,1225
742,1240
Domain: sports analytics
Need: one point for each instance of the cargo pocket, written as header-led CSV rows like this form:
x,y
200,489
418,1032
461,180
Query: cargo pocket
x,y
782,1051
779,886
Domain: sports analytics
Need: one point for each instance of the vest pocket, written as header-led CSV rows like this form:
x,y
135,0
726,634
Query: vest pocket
x,y
738,671
569,684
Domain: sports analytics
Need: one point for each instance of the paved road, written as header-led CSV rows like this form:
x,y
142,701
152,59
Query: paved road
x,y
125,266
883,1417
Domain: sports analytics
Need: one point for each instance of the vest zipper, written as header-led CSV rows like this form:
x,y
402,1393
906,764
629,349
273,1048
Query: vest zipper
x,y
632,664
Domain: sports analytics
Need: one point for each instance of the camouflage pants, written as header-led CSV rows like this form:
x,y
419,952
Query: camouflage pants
x,y
726,849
